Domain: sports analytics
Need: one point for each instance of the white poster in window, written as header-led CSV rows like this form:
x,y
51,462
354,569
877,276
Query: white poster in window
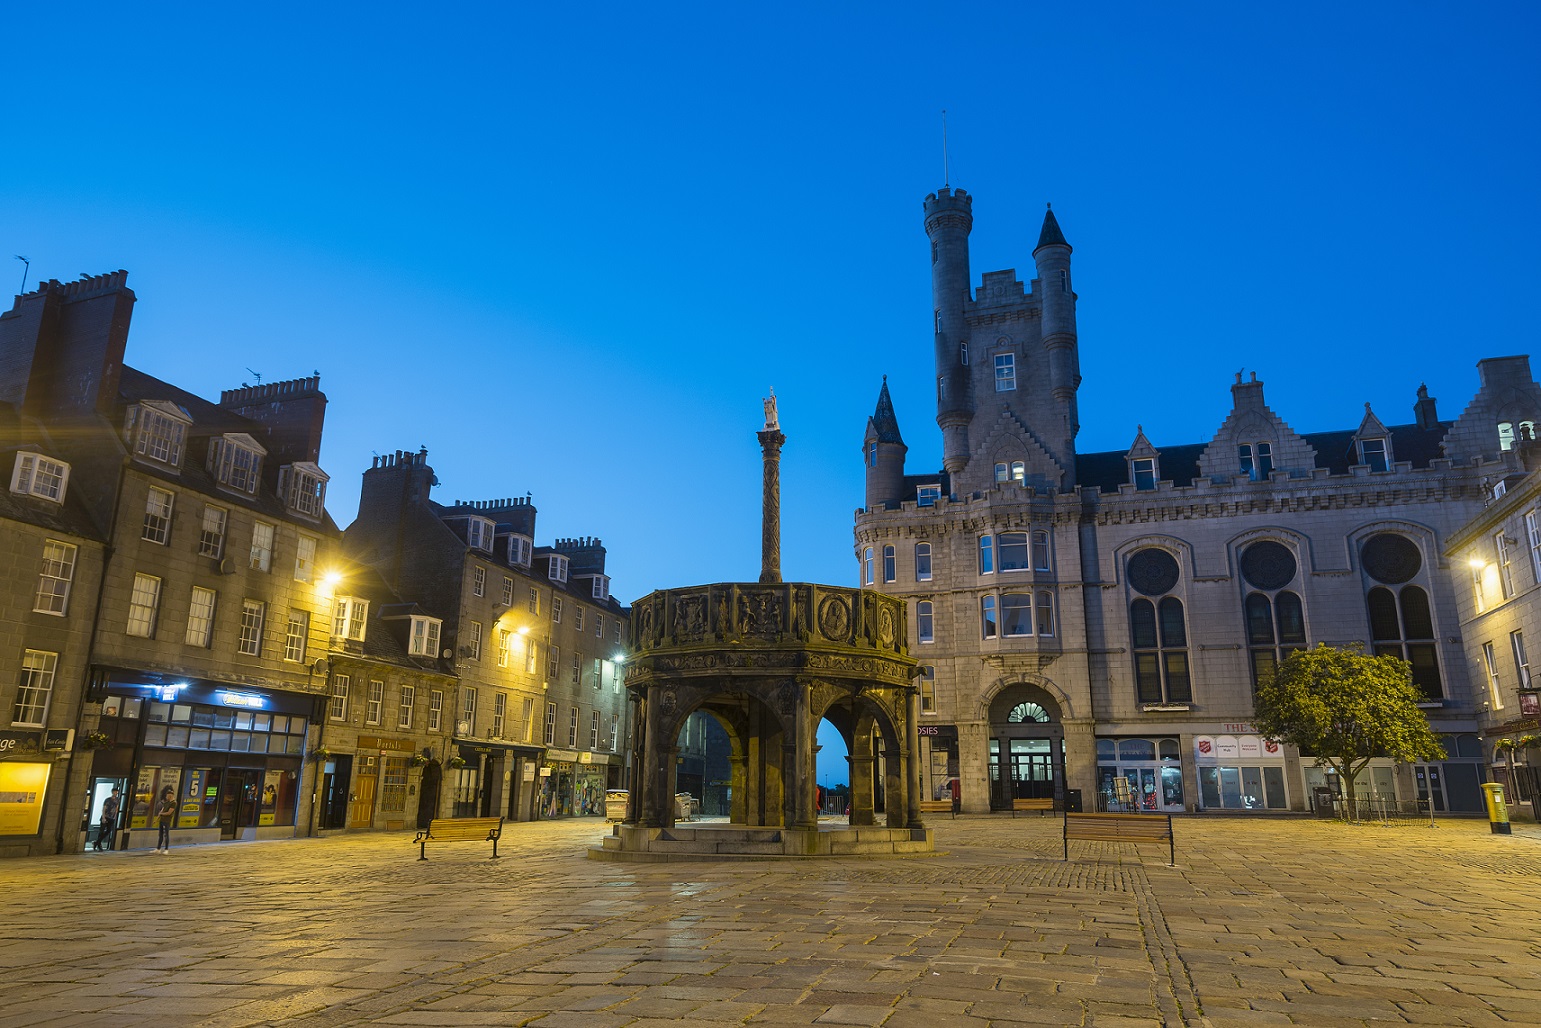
x,y
1204,747
1226,747
1251,746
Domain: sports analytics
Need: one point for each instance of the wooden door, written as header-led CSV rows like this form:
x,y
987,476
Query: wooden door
x,y
361,804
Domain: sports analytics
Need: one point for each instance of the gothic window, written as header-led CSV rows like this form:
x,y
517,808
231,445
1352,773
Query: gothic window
x,y
1256,460
1274,616
1005,372
1158,630
987,617
922,562
1144,471
1401,621
890,564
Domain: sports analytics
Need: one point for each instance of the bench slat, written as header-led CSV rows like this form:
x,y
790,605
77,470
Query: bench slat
x,y
1121,828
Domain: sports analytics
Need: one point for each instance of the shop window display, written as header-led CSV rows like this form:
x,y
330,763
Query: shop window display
x,y
1139,774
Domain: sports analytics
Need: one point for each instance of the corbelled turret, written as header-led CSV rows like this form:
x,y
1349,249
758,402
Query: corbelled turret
x,y
949,218
883,452
1052,257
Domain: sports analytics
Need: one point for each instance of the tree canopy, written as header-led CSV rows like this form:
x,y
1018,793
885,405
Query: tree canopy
x,y
1346,707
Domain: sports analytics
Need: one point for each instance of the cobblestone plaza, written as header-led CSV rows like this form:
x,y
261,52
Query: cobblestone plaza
x,y
1262,922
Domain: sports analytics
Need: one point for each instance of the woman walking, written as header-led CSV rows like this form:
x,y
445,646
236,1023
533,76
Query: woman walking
x,y
164,812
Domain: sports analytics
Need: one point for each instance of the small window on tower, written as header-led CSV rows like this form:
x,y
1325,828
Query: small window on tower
x,y
938,317
1064,280
872,455
963,354
1005,372
1018,472
933,253
1000,472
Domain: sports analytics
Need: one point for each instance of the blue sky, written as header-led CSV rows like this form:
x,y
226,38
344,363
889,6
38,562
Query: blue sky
x,y
569,250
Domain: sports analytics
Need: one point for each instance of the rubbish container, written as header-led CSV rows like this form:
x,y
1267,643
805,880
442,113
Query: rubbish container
x,y
1321,800
1497,812
615,804
1072,801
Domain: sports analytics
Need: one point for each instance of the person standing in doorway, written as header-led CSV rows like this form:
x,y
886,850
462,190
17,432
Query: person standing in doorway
x,y
104,835
165,810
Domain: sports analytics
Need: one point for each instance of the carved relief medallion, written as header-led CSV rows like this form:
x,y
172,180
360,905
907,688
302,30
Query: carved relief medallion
x,y
835,619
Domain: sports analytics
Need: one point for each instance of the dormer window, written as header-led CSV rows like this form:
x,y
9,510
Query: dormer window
x,y
519,548
1373,453
425,637
1256,460
303,487
236,460
927,495
348,618
37,475
1144,471
158,430
601,587
479,533
557,571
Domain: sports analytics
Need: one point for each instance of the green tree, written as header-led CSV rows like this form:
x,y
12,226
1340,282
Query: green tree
x,y
1346,707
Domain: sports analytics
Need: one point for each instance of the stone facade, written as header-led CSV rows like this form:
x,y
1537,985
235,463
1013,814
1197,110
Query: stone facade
x,y
1099,618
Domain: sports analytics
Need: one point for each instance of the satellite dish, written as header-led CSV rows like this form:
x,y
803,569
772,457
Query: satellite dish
x,y
320,667
447,654
462,728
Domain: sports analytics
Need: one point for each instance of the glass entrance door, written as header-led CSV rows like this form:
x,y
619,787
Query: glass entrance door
x,y
239,801
1030,767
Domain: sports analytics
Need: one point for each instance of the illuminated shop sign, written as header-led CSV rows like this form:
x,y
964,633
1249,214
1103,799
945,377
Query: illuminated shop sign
x,y
242,699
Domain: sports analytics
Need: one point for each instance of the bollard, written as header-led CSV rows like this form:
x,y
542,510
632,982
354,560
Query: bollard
x,y
1497,812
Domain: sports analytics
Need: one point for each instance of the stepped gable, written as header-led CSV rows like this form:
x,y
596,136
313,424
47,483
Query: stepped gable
x,y
1251,421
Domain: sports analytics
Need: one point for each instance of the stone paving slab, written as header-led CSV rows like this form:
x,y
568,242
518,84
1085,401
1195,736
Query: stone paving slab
x,y
1263,922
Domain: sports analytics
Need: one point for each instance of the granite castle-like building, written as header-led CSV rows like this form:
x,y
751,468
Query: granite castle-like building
x,y
1092,625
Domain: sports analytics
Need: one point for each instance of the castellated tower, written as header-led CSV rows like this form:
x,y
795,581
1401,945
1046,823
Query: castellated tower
x,y
949,217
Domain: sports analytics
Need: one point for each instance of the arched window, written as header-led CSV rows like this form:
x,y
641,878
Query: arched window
x,y
1256,460
987,617
1040,551
1017,614
1013,551
922,562
1275,620
1018,471
1158,630
1025,712
986,555
890,565
866,566
1045,612
1001,472
1401,620
924,622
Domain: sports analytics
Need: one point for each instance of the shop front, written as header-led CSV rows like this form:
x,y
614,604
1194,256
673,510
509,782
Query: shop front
x,y
26,771
1240,772
232,758
1139,774
573,783
939,762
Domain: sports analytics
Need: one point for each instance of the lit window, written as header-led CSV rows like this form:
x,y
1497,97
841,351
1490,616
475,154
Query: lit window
x,y
143,605
157,516
529,656
556,610
1373,453
924,622
200,617
252,614
408,701
922,562
508,591
534,604
211,536
890,564
349,615
1018,472
435,709
927,495
303,488
1144,473
34,688
615,731
1533,538
1005,372
53,584
261,546
158,434
337,707
479,581
305,558
1505,565
505,643
236,460
374,704
526,718
37,475
425,637
296,637
557,572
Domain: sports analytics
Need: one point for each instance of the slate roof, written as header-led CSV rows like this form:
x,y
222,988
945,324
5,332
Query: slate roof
x,y
68,518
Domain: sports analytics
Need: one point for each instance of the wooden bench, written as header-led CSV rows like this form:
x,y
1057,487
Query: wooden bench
x,y
1121,828
460,829
1042,804
937,807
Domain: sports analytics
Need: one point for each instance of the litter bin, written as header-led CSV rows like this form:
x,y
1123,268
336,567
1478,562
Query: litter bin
x,y
1321,800
615,804
1497,812
1072,801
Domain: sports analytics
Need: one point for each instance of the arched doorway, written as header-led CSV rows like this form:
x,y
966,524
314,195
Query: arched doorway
x,y
1027,747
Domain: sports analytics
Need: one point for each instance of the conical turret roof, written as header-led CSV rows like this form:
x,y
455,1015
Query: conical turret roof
x,y
883,421
1051,235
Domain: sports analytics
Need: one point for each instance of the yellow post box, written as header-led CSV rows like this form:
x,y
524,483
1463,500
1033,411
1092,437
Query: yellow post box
x,y
1497,812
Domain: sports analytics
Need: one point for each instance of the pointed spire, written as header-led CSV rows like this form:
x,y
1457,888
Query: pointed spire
x,y
883,420
1051,235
